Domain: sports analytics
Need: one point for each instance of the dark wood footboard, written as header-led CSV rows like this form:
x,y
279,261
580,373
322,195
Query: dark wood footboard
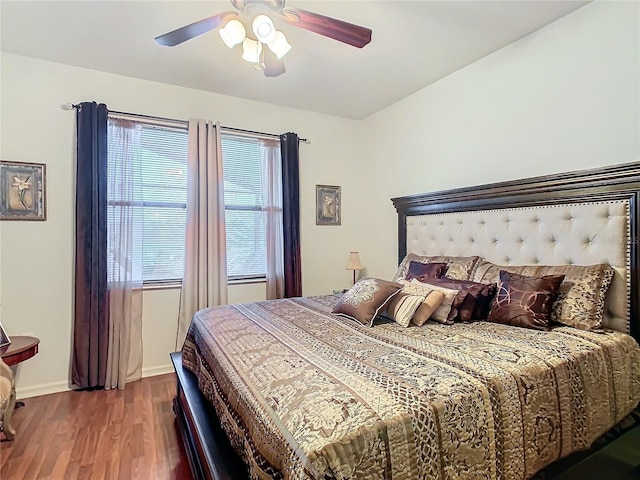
x,y
211,456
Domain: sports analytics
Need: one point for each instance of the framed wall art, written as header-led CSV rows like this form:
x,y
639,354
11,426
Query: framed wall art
x,y
328,205
22,191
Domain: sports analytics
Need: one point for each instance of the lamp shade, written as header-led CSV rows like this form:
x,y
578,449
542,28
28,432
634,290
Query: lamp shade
x,y
279,45
263,28
251,50
233,33
354,262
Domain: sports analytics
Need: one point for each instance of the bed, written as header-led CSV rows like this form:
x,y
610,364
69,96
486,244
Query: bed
x,y
287,389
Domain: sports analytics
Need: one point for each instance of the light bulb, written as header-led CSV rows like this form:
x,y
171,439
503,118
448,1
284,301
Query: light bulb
x,y
279,45
233,33
263,28
251,50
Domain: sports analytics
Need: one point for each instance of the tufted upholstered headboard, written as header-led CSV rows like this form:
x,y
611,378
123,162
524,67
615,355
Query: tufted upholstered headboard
x,y
576,218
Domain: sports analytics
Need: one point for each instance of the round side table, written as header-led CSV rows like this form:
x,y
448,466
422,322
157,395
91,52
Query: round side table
x,y
21,348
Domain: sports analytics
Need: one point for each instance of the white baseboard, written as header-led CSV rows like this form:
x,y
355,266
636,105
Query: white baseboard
x,y
153,371
56,387
43,389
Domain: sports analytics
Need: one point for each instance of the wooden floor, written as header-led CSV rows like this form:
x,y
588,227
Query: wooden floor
x,y
116,434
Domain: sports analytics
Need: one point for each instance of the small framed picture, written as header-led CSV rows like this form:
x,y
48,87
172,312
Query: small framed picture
x,y
22,191
328,205
4,338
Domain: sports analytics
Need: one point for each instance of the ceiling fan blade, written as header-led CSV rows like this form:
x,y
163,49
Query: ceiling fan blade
x,y
344,32
188,32
273,66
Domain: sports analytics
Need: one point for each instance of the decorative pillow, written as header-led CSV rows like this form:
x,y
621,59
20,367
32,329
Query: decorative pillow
x,y
365,299
426,270
525,301
442,312
477,296
432,301
402,307
457,267
580,301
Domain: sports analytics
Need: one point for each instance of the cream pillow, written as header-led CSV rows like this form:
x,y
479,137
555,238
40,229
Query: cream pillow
x,y
402,307
441,313
430,304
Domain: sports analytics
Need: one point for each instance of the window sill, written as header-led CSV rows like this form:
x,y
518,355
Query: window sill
x,y
178,285
161,286
247,281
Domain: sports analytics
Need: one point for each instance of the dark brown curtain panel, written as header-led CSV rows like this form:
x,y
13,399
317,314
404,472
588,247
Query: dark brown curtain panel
x,y
289,148
91,312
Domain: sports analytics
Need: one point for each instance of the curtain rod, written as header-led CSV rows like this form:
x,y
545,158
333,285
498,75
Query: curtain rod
x,y
69,106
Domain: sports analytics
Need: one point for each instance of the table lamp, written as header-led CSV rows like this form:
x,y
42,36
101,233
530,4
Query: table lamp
x,y
354,264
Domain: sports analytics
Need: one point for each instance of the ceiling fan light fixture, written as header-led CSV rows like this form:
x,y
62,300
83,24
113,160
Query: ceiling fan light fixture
x,y
233,33
249,19
251,50
279,45
263,28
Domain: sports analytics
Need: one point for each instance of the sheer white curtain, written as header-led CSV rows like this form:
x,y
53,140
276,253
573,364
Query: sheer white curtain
x,y
272,188
124,247
204,283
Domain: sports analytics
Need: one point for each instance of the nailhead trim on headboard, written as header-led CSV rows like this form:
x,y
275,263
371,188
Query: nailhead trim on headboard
x,y
574,234
614,185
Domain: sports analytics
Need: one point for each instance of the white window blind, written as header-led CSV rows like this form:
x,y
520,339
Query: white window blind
x,y
164,195
244,199
162,219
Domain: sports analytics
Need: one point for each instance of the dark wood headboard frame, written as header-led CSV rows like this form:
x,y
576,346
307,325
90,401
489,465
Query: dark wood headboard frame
x,y
618,182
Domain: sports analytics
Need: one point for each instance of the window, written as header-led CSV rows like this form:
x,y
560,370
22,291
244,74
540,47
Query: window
x,y
243,205
163,165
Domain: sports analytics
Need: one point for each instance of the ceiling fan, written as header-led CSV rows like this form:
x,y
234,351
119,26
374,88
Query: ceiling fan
x,y
256,11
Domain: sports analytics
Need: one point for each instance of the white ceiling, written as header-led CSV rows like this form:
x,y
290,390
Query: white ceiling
x,y
414,44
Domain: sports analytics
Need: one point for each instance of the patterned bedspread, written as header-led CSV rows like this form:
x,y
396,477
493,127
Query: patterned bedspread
x,y
306,394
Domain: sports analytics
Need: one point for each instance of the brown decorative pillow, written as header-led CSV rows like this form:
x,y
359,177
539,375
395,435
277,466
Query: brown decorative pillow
x,y
426,270
402,307
580,301
366,299
477,303
457,267
525,301
474,299
442,313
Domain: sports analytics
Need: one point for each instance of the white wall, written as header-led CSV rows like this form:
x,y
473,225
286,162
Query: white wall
x,y
36,265
566,97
